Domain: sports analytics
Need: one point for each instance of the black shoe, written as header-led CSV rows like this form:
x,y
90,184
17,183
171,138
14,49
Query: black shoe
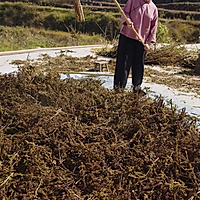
x,y
119,89
139,91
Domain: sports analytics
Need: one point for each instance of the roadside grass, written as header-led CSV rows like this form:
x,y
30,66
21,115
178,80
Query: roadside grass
x,y
18,38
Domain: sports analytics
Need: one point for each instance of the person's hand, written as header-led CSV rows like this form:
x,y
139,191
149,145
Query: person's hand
x,y
146,47
130,23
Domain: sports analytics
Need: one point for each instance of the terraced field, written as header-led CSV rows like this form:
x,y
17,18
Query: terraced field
x,y
182,10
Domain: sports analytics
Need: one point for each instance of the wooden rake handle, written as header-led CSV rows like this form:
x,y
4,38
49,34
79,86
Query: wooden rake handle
x,y
127,21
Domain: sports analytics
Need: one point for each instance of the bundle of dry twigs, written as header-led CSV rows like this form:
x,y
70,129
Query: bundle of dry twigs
x,y
79,11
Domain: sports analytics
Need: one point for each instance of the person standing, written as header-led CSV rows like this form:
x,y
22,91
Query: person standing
x,y
142,15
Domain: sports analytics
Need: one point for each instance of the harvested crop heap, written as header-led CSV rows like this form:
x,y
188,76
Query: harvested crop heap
x,y
75,139
163,56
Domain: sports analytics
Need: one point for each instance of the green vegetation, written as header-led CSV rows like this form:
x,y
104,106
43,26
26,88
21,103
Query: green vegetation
x,y
182,31
58,19
17,38
162,33
25,25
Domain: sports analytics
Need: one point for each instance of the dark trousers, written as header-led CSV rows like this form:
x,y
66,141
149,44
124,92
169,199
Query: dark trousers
x,y
130,55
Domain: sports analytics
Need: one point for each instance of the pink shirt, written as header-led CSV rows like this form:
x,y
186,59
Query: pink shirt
x,y
144,16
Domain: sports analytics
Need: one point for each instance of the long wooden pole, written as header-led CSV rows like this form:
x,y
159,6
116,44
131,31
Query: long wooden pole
x,y
127,21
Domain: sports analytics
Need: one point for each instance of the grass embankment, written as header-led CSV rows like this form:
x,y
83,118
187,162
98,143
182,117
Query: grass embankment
x,y
182,31
58,19
47,26
18,38
99,26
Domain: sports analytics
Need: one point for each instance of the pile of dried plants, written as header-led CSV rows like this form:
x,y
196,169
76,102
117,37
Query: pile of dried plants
x,y
74,139
166,55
